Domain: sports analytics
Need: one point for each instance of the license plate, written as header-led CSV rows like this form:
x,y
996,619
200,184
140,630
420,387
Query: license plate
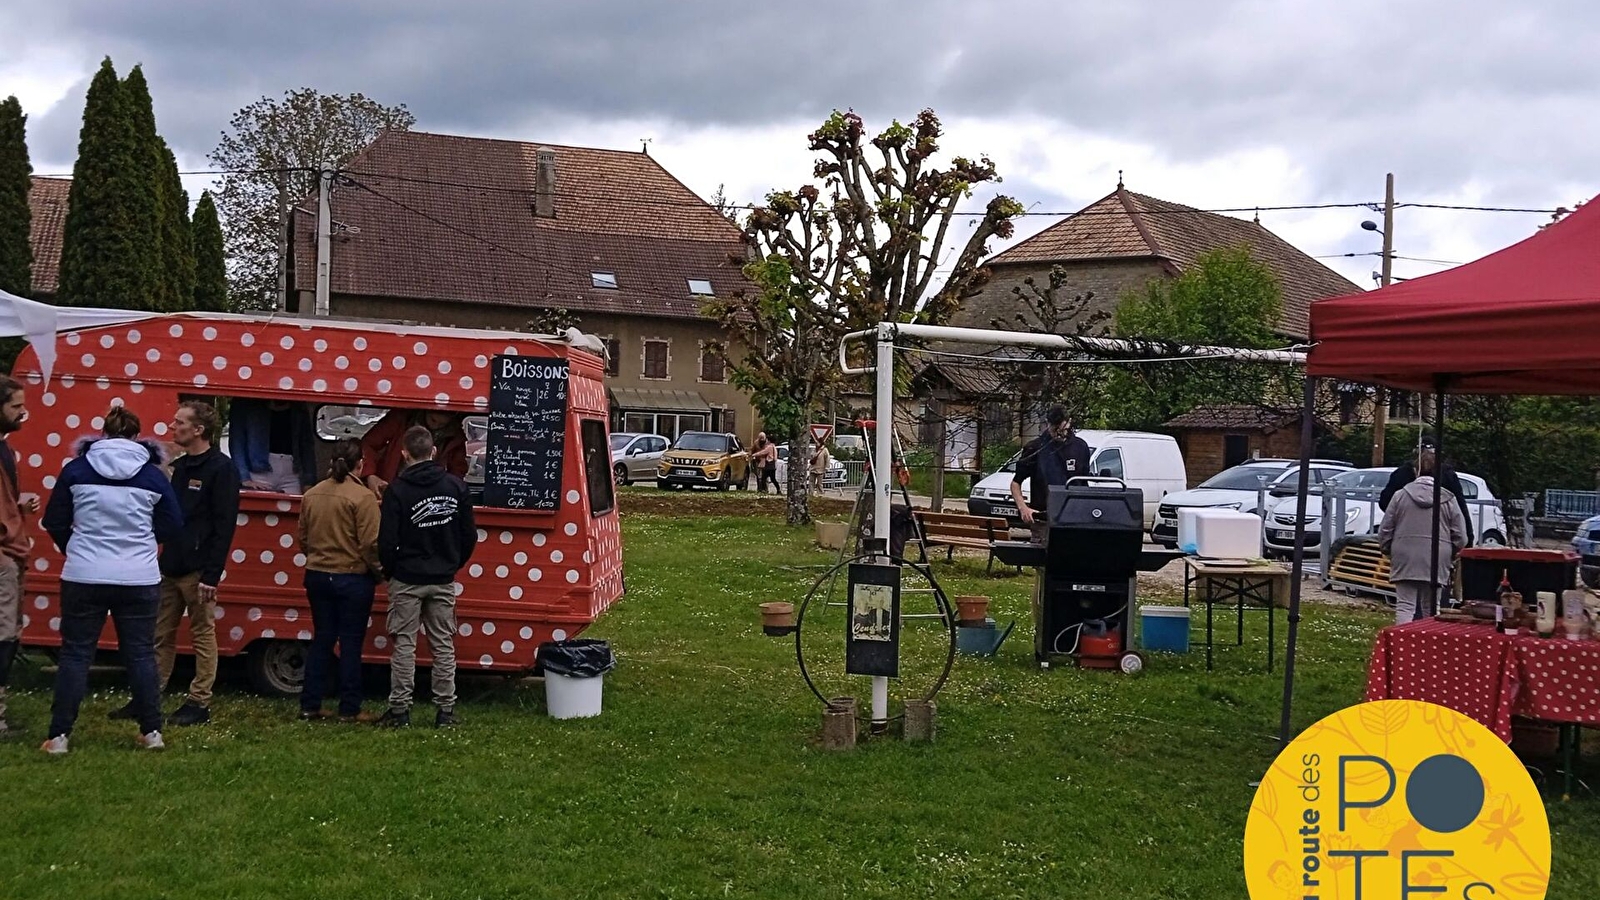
x,y
685,471
1283,535
1010,511
1167,523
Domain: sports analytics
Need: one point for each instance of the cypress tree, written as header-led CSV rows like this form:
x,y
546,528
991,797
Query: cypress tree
x,y
210,266
177,241
150,204
102,261
16,256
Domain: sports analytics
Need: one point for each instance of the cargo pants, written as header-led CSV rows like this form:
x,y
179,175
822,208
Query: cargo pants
x,y
10,622
432,607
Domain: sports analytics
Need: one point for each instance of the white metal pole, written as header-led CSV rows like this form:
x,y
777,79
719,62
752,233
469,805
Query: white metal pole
x,y
324,237
883,466
1058,342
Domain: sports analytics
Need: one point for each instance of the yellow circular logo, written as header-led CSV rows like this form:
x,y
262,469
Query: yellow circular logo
x,y
1397,799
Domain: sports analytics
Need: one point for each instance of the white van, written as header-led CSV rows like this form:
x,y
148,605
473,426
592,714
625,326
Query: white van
x,y
1150,462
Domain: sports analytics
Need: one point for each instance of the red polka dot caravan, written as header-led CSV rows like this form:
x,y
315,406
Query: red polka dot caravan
x,y
549,556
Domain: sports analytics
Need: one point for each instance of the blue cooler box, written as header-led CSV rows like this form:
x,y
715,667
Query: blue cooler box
x,y
1164,628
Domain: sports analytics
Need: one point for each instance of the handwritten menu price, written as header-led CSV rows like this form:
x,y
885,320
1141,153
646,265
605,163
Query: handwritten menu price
x,y
527,432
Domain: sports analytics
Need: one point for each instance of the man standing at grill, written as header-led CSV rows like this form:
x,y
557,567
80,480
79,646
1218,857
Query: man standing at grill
x,y
425,535
1047,461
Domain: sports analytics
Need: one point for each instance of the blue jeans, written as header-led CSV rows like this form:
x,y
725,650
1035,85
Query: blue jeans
x,y
84,608
340,605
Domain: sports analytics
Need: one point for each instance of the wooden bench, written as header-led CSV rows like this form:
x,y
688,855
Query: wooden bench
x,y
952,530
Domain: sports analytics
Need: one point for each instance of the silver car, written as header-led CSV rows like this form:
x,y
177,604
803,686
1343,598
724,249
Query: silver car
x,y
635,456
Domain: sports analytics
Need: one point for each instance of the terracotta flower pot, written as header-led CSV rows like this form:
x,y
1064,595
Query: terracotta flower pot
x,y
973,610
777,618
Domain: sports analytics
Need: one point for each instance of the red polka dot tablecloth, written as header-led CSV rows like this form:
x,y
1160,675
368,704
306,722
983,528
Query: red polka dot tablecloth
x,y
1489,676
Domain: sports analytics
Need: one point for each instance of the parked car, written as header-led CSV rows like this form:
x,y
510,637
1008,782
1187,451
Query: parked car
x,y
1236,488
1150,462
636,456
1363,516
1587,543
834,478
707,459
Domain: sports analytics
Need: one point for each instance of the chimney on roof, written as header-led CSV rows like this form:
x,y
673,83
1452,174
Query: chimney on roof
x,y
544,185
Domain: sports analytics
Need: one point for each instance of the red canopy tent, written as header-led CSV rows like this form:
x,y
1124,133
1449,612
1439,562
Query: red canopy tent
x,y
1524,320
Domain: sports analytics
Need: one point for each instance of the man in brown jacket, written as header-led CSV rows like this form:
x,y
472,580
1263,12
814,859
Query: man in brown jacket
x,y
339,536
14,540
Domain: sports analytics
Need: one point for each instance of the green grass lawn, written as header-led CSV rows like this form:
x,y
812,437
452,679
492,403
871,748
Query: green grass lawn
x,y
703,778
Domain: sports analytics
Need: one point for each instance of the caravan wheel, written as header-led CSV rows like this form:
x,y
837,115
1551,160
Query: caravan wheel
x,y
278,668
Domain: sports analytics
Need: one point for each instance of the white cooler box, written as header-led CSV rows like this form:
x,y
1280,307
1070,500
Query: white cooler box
x,y
1219,533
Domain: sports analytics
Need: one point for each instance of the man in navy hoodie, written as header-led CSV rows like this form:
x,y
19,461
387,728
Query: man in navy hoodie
x,y
425,535
108,511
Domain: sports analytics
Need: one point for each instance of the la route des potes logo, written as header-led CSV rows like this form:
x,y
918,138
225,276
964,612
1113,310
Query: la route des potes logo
x,y
1397,800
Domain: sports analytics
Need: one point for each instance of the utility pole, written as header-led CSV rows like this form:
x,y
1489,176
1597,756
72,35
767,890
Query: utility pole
x,y
1380,415
324,237
284,238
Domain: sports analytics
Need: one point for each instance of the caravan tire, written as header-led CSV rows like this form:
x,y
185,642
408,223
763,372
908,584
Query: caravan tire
x,y
278,668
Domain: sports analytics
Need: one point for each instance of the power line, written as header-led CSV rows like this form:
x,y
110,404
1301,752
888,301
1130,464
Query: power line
x,y
277,171
1292,207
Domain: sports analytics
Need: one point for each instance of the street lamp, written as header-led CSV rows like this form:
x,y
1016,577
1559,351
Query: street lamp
x,y
1370,225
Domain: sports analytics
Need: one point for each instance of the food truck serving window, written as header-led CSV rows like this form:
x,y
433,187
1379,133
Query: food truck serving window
x,y
597,467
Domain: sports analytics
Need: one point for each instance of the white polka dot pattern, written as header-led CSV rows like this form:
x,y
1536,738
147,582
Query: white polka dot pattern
x,y
1549,679
531,559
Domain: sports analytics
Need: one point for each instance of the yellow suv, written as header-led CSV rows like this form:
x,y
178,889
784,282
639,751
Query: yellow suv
x,y
707,459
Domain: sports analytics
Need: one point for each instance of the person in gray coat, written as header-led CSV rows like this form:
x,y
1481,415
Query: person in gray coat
x,y
1407,536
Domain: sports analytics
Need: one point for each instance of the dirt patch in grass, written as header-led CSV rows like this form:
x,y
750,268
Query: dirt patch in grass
x,y
655,502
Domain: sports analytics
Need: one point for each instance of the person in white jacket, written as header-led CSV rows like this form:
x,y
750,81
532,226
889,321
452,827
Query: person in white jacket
x,y
108,511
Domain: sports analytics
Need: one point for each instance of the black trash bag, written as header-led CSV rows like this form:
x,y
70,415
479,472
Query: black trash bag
x,y
577,658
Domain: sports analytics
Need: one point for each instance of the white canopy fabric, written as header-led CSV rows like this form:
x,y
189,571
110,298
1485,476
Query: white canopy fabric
x,y
39,323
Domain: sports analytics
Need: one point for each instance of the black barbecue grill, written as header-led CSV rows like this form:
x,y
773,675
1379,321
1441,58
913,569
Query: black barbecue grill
x,y
1089,566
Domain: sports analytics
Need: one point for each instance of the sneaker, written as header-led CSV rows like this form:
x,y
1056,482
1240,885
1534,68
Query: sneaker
x,y
56,746
446,718
314,715
152,741
392,718
360,718
190,713
122,712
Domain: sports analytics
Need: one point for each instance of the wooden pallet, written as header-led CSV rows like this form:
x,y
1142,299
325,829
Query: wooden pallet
x,y
1358,563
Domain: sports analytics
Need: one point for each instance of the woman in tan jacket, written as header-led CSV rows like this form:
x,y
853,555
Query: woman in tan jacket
x,y
339,536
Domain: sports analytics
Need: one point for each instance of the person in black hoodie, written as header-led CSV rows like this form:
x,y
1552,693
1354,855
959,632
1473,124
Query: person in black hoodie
x,y
207,486
425,535
1448,480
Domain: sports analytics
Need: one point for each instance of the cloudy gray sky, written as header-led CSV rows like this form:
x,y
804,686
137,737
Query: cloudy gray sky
x,y
1214,103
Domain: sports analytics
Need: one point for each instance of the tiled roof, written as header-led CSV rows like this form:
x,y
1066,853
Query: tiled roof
x,y
1233,418
458,224
1126,225
47,200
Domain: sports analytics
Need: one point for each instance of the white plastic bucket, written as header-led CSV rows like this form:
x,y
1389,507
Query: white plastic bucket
x,y
572,698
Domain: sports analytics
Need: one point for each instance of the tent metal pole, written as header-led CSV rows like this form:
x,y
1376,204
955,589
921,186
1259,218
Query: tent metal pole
x,y
1438,478
1297,573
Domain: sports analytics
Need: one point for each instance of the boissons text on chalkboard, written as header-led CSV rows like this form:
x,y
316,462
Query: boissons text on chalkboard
x,y
527,432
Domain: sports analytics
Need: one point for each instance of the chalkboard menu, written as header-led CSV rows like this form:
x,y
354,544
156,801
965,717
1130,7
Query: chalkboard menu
x,y
527,432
